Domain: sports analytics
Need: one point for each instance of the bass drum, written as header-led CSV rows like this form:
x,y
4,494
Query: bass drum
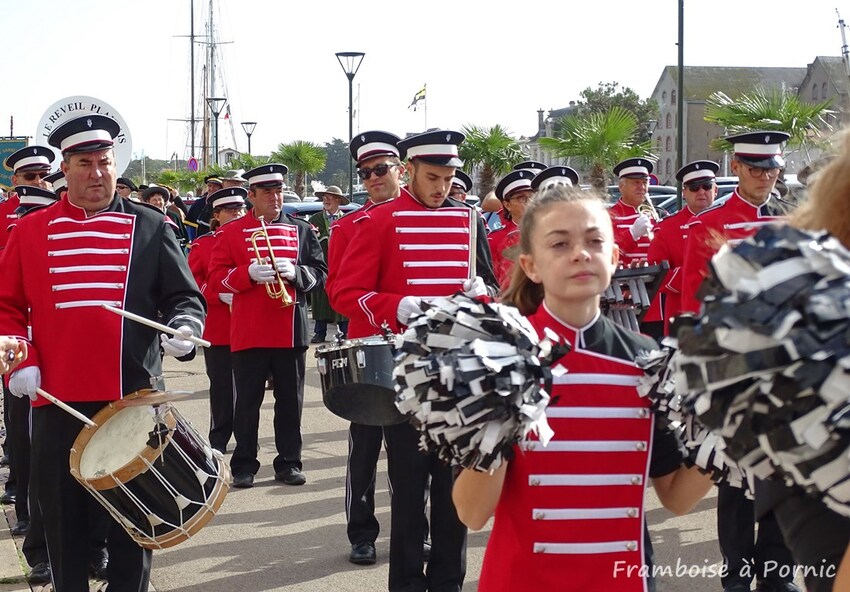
x,y
357,381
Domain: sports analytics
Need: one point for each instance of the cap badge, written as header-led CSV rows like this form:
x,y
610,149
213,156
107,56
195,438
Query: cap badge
x,y
696,166
448,137
88,122
35,151
639,161
362,138
767,139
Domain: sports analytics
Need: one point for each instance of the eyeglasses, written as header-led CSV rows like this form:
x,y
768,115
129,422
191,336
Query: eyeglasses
x,y
757,172
121,187
518,198
708,186
379,170
32,176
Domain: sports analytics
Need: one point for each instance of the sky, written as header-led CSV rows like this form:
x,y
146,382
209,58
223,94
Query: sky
x,y
484,63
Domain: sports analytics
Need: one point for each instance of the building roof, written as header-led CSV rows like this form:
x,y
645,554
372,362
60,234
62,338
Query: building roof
x,y
701,81
835,71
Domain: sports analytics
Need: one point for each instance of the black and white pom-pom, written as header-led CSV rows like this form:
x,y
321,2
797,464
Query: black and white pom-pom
x,y
704,449
766,365
469,374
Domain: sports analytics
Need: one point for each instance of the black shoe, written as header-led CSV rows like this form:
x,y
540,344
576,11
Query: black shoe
x,y
243,481
291,476
426,551
363,554
99,567
318,339
21,528
39,574
9,496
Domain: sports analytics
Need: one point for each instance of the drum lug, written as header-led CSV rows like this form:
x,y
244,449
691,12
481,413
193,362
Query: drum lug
x,y
361,358
157,435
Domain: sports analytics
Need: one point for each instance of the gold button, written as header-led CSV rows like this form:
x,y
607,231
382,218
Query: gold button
x,y
632,512
539,549
643,413
539,515
631,546
641,446
535,481
636,480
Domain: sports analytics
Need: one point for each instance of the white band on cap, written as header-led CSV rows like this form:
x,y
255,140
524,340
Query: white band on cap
x,y
699,174
30,161
375,148
268,177
32,200
230,199
555,180
634,170
86,137
516,185
442,150
60,184
459,182
759,149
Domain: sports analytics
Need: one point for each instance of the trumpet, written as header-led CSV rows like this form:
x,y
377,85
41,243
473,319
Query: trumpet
x,y
277,289
647,209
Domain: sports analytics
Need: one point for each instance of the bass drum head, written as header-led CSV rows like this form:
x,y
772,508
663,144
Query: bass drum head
x,y
357,381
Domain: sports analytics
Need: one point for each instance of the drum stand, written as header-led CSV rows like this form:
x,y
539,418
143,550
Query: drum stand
x,y
631,292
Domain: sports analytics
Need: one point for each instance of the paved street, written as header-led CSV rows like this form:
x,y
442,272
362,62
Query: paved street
x,y
277,537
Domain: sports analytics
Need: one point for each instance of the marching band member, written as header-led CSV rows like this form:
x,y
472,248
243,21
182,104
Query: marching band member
x,y
323,313
513,191
670,234
197,220
633,228
414,247
570,515
756,161
227,204
267,336
378,159
104,250
461,185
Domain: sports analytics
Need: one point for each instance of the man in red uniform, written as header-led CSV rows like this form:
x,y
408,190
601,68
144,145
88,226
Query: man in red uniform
x,y
757,161
514,191
379,167
61,263
633,228
227,204
418,246
267,337
668,242
29,166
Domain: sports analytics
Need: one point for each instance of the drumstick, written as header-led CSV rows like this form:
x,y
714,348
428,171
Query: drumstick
x,y
155,325
66,408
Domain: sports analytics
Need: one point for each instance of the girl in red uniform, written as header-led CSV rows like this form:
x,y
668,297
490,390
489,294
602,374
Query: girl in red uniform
x,y
570,515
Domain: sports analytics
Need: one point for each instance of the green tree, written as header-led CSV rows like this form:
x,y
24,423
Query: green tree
x,y
769,109
493,149
598,140
608,95
336,166
302,158
246,162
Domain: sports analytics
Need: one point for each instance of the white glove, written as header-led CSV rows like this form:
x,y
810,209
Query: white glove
x,y
286,269
475,287
408,307
23,382
641,226
177,346
262,273
226,297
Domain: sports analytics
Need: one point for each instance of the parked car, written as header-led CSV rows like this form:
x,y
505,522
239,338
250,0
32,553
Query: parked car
x,y
360,197
304,210
291,197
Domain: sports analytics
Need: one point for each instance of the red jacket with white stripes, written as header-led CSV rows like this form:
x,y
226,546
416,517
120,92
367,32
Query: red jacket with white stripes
x,y
8,217
217,328
500,241
256,319
731,221
571,514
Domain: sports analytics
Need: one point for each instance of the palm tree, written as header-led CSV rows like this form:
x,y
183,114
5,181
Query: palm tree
x,y
302,158
493,150
769,109
598,140
247,162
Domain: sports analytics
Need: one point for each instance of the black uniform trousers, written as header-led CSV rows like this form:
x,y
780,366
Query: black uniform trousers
x,y
71,513
409,470
364,447
18,439
220,372
251,367
745,556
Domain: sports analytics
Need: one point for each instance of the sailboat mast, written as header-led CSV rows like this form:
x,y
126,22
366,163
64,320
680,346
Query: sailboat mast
x,y
192,76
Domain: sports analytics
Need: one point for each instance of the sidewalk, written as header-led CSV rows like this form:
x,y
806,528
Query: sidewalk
x,y
13,568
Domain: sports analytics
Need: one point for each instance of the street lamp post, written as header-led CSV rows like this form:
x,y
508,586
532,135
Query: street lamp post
x,y
350,62
216,105
248,127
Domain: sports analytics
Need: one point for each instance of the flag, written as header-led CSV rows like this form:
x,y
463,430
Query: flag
x,y
227,115
419,96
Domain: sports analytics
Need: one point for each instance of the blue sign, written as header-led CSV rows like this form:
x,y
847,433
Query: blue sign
x,y
192,164
7,147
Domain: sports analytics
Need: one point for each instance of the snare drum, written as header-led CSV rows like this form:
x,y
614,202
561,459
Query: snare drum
x,y
152,471
357,380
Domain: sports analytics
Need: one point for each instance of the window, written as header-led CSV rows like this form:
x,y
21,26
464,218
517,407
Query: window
x,y
658,144
669,167
669,120
814,92
669,143
664,97
823,91
673,97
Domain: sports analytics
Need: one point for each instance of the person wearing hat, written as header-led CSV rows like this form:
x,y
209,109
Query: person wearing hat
x,y
633,217
532,166
143,271
159,197
379,167
461,186
233,178
669,235
126,187
757,161
227,205
266,335
323,313
198,218
29,167
384,281
513,191
57,182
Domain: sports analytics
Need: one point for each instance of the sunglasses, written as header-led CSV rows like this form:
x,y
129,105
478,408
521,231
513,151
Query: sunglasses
x,y
697,186
379,170
32,176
